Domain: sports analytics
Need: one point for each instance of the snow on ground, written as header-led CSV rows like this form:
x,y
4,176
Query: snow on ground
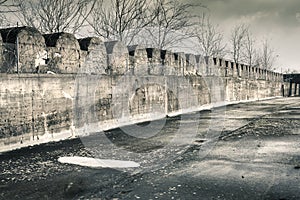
x,y
97,163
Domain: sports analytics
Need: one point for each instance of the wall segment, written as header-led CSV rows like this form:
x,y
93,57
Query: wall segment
x,y
86,82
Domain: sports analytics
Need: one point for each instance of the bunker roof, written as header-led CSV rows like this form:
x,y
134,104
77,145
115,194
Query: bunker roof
x,y
9,35
85,42
51,39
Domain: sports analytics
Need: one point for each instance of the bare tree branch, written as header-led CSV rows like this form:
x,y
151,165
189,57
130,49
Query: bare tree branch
x,y
172,24
120,19
249,53
209,38
237,40
7,6
51,16
268,57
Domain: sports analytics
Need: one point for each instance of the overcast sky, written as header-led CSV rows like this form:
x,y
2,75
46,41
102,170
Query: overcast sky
x,y
278,20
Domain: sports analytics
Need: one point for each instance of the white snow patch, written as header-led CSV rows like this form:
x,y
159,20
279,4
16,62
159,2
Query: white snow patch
x,y
97,163
50,72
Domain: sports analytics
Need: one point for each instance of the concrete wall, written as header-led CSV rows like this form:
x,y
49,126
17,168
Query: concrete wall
x,y
37,108
23,50
138,59
110,85
93,56
63,52
117,57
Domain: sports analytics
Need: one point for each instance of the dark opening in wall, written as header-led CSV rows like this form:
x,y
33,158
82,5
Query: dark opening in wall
x,y
226,63
176,56
220,62
163,54
131,53
150,52
215,61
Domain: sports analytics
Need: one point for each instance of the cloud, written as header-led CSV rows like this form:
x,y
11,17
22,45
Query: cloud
x,y
278,12
257,16
298,17
275,19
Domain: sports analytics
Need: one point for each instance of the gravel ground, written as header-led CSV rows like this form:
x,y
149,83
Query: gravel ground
x,y
255,156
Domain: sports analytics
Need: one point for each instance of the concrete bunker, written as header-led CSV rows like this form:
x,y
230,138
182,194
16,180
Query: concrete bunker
x,y
63,52
168,62
155,64
23,50
93,55
138,59
191,63
117,57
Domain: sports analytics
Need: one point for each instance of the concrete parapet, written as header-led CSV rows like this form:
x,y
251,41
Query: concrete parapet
x,y
180,63
63,52
168,62
24,50
155,65
93,57
138,59
117,57
191,64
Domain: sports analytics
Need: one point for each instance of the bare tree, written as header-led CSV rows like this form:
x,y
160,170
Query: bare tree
x,y
51,16
172,24
209,38
237,40
120,19
249,52
268,57
6,7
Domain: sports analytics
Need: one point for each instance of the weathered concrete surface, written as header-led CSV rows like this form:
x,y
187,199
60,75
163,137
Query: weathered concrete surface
x,y
255,155
117,57
63,52
93,57
37,108
23,50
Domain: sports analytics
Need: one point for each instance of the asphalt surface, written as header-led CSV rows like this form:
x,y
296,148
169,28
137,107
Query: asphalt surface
x,y
243,151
